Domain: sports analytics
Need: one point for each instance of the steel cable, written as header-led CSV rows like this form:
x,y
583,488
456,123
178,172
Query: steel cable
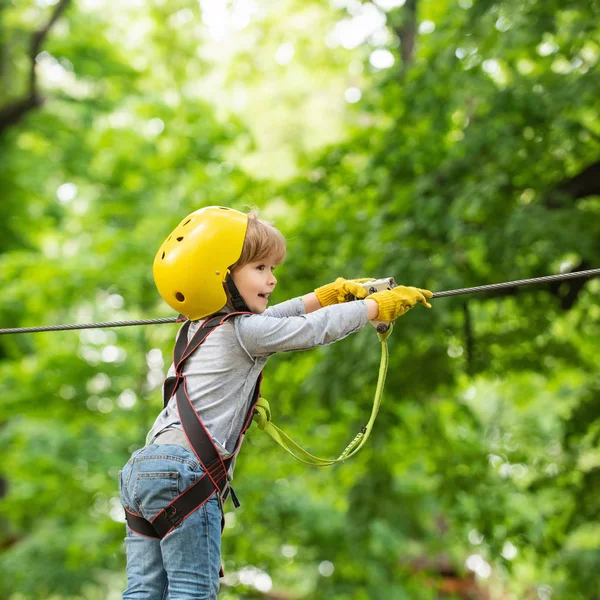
x,y
472,290
518,282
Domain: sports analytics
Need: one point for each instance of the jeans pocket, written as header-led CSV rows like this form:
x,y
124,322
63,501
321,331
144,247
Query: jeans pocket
x,y
154,490
124,477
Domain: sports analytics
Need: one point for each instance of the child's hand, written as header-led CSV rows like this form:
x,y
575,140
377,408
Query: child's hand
x,y
398,301
341,290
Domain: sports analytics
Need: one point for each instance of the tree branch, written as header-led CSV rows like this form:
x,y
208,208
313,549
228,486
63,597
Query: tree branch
x,y
13,112
407,33
39,37
568,291
583,184
2,44
586,183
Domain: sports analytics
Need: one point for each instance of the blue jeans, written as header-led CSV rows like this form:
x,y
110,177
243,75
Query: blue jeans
x,y
185,564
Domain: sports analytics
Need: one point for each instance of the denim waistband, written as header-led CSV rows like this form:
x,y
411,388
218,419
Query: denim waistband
x,y
174,435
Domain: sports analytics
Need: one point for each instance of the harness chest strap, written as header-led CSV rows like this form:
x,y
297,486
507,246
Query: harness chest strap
x,y
214,479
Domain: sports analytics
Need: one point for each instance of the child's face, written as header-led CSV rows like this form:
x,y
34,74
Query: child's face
x,y
255,282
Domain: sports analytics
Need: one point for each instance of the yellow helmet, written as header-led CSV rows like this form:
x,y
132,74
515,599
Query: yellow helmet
x,y
192,264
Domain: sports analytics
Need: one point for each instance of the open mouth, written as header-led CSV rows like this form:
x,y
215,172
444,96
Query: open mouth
x,y
265,296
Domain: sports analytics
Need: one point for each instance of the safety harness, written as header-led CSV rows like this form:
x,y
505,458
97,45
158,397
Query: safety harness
x,y
214,480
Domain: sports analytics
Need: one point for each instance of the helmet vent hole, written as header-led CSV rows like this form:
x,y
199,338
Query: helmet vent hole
x,y
186,222
179,239
180,297
163,255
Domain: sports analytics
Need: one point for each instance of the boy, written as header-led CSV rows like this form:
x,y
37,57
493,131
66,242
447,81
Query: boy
x,y
219,261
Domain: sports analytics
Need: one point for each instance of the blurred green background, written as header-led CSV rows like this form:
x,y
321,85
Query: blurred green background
x,y
447,143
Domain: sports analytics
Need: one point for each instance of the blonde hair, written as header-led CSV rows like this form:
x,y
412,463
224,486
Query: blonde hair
x,y
262,241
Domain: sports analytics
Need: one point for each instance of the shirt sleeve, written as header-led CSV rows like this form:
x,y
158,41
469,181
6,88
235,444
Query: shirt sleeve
x,y
264,334
289,308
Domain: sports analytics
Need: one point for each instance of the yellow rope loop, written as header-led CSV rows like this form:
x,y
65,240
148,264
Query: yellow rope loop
x,y
262,413
351,445
262,416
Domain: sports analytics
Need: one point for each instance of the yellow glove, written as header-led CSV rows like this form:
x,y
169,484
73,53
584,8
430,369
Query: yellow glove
x,y
399,300
341,290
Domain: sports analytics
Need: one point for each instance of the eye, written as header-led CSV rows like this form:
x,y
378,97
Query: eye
x,y
261,267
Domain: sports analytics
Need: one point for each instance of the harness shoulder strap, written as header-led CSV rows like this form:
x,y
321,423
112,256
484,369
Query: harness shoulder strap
x,y
184,349
214,479
196,433
172,382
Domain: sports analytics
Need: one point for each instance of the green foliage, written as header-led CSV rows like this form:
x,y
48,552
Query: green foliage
x,y
473,159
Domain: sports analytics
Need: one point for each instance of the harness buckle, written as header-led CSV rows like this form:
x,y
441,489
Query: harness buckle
x,y
173,516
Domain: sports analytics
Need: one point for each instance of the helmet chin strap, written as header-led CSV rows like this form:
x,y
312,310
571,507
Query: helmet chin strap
x,y
237,301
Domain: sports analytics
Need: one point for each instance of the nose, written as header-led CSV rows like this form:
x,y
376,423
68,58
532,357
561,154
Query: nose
x,y
272,280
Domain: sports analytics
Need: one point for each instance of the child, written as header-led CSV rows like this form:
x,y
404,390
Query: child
x,y
220,261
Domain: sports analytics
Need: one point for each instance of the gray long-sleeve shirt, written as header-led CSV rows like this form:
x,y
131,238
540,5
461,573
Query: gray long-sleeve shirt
x,y
222,373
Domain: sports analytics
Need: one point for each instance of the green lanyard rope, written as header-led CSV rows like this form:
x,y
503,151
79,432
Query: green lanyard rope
x,y
262,417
